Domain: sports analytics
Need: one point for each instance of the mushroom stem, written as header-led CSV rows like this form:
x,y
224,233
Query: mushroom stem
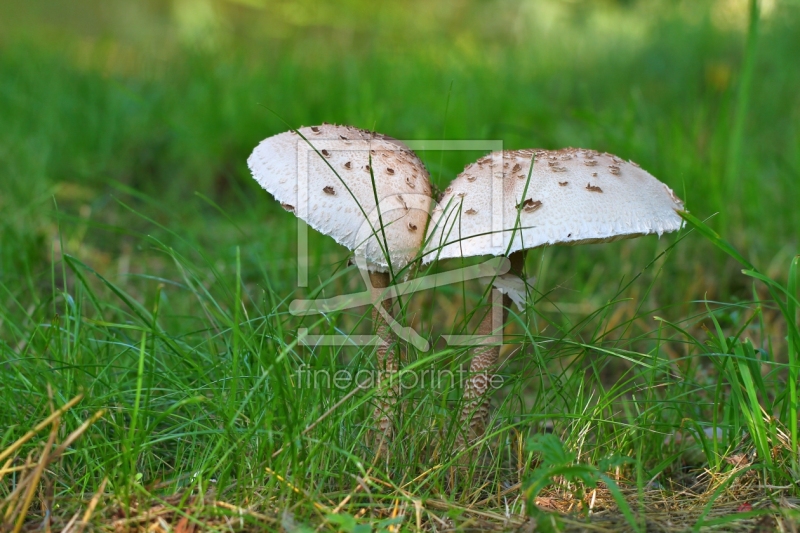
x,y
475,406
386,362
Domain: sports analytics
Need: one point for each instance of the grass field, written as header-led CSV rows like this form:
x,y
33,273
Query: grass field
x,y
144,271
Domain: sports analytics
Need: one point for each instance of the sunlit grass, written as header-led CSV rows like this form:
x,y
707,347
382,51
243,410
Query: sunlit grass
x,y
142,268
182,415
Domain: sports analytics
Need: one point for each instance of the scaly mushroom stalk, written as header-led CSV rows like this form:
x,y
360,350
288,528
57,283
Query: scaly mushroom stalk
x,y
387,364
474,417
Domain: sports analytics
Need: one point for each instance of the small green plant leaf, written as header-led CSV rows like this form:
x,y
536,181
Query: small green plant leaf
x,y
556,460
346,522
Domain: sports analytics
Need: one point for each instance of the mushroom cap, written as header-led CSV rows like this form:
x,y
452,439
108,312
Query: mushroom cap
x,y
574,196
300,175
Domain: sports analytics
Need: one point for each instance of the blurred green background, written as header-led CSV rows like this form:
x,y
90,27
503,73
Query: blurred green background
x,y
169,97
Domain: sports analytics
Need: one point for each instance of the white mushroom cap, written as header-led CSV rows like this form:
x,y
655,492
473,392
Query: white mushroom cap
x,y
574,196
303,180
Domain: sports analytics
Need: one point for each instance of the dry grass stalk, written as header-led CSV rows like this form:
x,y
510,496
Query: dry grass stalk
x,y
15,506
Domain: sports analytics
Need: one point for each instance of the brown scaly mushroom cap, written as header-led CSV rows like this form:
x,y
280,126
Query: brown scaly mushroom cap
x,y
401,182
574,196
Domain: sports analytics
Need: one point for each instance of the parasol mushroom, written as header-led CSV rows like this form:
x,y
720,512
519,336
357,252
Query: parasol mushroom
x,y
570,196
367,191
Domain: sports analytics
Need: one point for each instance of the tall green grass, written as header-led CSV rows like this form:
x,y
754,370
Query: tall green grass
x,y
141,266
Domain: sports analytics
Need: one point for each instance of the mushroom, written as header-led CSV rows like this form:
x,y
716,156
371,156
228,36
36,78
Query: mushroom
x,y
325,177
571,196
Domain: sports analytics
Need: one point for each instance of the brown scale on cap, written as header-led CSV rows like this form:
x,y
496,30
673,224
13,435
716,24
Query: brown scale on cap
x,y
390,171
530,205
516,168
288,207
614,169
593,188
563,183
590,163
412,226
348,165
471,211
558,169
329,190
315,129
325,153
